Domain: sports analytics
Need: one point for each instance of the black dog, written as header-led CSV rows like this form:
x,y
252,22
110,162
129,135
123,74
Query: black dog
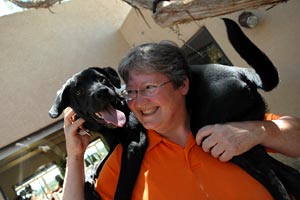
x,y
92,94
217,94
220,94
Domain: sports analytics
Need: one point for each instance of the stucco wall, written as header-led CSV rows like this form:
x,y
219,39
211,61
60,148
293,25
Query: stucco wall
x,y
277,35
40,50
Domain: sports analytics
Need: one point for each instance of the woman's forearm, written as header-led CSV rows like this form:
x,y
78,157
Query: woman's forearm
x,y
76,145
234,138
73,188
283,135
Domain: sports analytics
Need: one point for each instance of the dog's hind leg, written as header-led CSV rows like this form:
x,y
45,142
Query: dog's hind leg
x,y
255,162
289,176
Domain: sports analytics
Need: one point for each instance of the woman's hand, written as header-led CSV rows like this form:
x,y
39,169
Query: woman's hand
x,y
76,141
225,141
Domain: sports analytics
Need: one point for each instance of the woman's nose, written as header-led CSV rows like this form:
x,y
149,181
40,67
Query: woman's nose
x,y
140,100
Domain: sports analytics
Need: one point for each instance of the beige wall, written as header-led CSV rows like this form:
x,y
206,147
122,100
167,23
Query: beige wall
x,y
277,35
40,50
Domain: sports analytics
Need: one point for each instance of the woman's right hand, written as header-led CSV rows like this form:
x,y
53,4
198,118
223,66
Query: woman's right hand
x,y
76,143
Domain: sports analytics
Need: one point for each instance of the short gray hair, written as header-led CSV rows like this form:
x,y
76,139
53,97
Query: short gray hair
x,y
164,57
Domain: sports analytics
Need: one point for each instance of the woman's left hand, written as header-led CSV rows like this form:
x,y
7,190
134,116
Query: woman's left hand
x,y
225,141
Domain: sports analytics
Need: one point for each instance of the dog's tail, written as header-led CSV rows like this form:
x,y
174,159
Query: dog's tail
x,y
252,55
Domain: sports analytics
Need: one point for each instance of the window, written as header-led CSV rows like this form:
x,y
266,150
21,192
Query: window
x,y
40,185
29,167
203,49
93,155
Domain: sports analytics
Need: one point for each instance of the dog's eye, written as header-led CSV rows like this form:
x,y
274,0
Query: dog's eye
x,y
101,79
78,92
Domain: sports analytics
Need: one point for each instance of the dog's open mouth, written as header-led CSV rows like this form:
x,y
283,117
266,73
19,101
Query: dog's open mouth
x,y
111,116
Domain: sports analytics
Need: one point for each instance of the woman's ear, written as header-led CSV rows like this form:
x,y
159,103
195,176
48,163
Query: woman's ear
x,y
185,86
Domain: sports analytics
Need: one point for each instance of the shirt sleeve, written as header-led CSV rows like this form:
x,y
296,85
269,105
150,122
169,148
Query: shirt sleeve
x,y
108,178
271,116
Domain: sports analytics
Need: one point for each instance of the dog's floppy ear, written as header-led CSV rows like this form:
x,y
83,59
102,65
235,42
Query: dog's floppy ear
x,y
61,101
113,75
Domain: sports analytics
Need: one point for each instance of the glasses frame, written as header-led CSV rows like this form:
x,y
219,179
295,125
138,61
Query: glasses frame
x,y
143,92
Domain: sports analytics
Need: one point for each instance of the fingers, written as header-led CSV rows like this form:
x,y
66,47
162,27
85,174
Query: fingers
x,y
202,134
70,124
77,139
217,151
68,113
211,140
225,156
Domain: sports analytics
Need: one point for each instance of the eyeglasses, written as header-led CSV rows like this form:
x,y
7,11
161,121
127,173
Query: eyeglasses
x,y
149,91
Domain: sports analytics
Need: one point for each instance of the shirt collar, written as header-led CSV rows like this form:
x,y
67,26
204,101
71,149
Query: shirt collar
x,y
155,138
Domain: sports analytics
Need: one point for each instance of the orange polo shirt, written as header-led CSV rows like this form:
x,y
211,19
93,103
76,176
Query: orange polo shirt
x,y
170,171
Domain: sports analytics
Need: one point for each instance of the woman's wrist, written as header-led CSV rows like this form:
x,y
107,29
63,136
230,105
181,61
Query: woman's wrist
x,y
268,132
282,136
73,159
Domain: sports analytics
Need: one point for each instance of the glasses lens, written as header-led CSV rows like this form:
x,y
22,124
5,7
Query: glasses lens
x,y
150,90
130,94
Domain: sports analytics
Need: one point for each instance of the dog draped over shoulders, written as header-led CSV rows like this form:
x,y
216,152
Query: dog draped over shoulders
x,y
217,94
220,94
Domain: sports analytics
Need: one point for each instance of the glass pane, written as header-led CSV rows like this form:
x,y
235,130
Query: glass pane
x,y
34,167
203,49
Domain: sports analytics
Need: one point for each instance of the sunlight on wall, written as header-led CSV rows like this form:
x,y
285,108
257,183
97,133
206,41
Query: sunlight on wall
x,y
7,8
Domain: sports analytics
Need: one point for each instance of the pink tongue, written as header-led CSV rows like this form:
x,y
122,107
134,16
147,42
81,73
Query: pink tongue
x,y
114,116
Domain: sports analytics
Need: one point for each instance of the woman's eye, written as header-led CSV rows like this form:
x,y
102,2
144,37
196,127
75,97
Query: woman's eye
x,y
150,87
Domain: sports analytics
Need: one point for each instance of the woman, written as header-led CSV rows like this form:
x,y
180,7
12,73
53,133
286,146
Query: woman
x,y
174,166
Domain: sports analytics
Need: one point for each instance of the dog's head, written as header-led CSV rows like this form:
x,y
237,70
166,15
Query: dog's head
x,y
92,94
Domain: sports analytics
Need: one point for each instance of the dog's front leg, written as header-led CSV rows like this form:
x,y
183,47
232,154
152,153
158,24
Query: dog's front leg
x,y
132,158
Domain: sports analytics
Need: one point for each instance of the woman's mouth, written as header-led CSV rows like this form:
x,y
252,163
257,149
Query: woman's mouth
x,y
149,111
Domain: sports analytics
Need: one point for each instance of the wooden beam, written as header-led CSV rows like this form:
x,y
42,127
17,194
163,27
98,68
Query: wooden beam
x,y
174,12
35,3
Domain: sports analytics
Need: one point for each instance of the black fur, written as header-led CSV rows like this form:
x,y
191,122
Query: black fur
x,y
218,94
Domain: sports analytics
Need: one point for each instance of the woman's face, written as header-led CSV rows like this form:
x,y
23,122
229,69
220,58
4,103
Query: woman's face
x,y
161,111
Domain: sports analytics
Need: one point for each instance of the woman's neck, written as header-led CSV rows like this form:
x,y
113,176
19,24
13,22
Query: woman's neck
x,y
178,134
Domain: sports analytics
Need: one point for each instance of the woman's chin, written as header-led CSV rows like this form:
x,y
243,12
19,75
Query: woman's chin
x,y
149,125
